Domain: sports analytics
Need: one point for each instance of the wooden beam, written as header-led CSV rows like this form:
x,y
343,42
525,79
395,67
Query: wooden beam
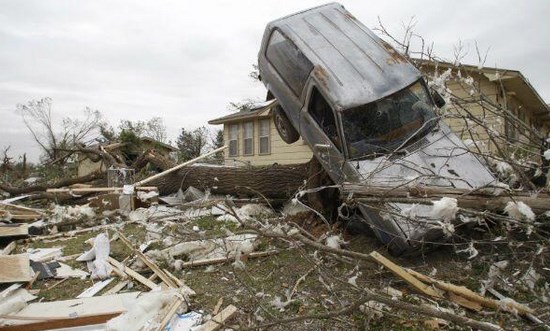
x,y
402,273
8,249
197,263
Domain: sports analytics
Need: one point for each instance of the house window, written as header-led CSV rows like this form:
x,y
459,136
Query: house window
x,y
263,136
293,66
248,138
233,140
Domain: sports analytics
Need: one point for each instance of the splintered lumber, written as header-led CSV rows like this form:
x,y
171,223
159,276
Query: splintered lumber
x,y
220,319
12,230
161,274
197,263
468,294
135,275
15,268
179,166
402,273
483,199
19,213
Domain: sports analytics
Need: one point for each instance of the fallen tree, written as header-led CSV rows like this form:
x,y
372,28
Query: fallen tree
x,y
273,182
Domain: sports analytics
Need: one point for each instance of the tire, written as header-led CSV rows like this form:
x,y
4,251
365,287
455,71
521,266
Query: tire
x,y
286,130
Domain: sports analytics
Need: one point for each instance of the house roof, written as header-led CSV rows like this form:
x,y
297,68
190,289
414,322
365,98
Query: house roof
x,y
512,81
159,143
257,110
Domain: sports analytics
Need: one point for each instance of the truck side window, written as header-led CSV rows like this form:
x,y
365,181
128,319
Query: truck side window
x,y
291,64
322,113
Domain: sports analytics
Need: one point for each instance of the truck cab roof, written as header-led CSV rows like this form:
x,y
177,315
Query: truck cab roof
x,y
353,64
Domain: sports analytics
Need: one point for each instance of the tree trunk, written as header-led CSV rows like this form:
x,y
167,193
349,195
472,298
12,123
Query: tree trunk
x,y
272,182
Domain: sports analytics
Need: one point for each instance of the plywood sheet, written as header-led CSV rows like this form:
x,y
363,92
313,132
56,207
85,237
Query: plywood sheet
x,y
15,268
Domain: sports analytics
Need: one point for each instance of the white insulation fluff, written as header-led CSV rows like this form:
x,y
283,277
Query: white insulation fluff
x,y
519,210
445,209
334,241
547,154
100,267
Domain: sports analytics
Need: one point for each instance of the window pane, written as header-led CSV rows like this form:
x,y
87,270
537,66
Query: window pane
x,y
233,148
290,63
264,128
264,145
248,146
248,130
233,131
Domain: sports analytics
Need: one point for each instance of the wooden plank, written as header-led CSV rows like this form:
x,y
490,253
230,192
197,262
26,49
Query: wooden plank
x,y
97,189
11,230
91,291
133,274
62,323
220,319
15,268
118,287
203,262
403,274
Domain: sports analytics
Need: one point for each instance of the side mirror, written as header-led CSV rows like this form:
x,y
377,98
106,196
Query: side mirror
x,y
438,99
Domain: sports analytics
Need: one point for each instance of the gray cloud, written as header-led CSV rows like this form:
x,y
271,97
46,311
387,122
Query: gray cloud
x,y
186,60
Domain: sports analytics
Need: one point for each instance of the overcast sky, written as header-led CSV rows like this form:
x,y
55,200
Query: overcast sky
x,y
186,60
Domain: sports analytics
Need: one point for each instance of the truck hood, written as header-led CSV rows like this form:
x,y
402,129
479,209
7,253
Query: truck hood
x,y
439,159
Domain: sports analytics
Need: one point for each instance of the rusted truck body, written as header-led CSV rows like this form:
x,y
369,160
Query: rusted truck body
x,y
367,115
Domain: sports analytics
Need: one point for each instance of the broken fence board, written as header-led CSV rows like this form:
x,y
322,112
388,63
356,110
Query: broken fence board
x,y
15,268
220,319
97,189
12,230
402,273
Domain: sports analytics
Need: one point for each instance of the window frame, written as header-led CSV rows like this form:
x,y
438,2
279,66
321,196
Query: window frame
x,y
267,136
230,139
245,138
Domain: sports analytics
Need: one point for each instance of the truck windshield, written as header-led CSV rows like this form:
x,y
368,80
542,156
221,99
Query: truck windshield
x,y
383,126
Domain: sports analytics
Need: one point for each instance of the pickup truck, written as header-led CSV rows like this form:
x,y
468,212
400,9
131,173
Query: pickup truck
x,y
368,116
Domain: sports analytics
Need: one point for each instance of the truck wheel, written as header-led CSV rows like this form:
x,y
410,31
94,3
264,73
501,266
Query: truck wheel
x,y
287,132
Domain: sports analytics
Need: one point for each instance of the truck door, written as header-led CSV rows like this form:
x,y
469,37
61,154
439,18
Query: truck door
x,y
318,128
